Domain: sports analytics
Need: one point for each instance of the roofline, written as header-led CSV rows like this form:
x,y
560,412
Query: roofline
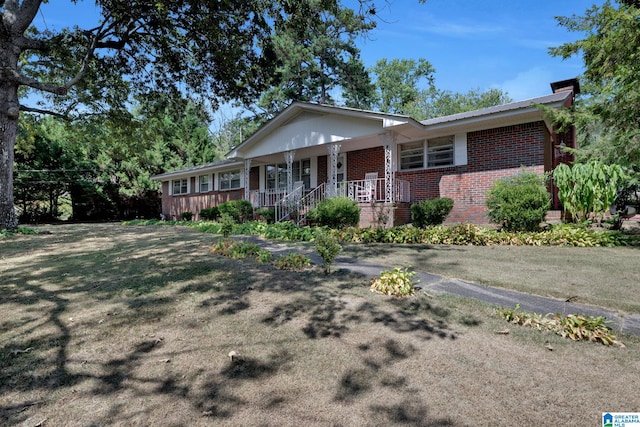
x,y
207,167
505,110
297,106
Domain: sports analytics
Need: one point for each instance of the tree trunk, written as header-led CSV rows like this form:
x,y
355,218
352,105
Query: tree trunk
x,y
8,129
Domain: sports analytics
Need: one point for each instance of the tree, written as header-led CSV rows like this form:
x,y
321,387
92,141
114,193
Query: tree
x,y
221,49
398,83
407,86
315,44
607,115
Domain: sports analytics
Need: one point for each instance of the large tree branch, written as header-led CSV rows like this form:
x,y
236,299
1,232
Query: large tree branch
x,y
25,15
43,111
27,43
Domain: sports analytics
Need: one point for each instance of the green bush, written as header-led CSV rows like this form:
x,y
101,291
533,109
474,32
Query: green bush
x,y
226,224
328,248
337,212
268,214
210,214
431,212
186,216
240,210
519,202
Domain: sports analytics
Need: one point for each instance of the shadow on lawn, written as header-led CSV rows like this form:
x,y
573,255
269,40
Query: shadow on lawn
x,y
65,269
47,285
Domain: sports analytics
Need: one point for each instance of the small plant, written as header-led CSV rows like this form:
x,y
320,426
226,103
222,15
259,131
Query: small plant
x,y
397,282
328,248
519,202
431,212
210,214
264,256
226,225
573,326
337,212
186,216
292,261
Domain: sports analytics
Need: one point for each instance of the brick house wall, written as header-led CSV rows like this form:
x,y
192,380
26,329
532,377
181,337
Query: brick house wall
x,y
492,154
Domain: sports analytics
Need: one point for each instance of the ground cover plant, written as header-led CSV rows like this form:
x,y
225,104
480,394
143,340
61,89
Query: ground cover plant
x,y
113,325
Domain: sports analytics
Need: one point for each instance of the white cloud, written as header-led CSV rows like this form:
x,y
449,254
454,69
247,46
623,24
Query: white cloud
x,y
527,84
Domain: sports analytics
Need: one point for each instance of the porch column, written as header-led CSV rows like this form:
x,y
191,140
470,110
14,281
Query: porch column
x,y
388,140
288,157
247,173
334,151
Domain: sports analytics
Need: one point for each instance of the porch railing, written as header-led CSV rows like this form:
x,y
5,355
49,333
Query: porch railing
x,y
295,205
373,190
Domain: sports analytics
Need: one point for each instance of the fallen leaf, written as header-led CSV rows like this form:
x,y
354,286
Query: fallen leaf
x,y
503,332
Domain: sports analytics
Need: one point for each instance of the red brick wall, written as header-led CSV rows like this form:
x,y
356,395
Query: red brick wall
x,y
360,162
491,154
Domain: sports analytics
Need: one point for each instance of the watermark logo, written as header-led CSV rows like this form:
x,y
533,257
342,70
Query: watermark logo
x,y
621,419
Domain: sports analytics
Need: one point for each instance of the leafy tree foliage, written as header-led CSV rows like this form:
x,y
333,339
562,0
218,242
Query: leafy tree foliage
x,y
407,86
315,44
224,49
607,115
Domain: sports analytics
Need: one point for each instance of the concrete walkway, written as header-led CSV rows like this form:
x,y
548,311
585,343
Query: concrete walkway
x,y
629,323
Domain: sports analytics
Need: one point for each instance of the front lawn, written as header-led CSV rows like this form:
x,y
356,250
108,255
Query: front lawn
x,y
114,325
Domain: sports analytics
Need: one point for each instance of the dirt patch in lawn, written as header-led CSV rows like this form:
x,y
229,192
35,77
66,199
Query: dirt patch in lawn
x,y
113,325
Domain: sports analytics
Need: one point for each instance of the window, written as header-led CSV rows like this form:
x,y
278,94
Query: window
x,y
433,152
412,155
180,186
276,175
440,152
204,183
229,180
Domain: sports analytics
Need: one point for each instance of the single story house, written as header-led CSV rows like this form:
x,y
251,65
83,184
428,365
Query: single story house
x,y
385,162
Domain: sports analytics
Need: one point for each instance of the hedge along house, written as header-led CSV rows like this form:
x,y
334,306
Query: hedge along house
x,y
385,162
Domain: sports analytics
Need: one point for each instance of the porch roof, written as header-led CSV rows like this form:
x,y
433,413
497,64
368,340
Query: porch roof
x,y
305,125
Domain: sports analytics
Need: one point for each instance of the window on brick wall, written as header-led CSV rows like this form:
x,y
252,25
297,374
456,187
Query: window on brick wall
x,y
434,152
179,186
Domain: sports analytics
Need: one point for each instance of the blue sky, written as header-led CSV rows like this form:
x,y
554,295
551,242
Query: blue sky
x,y
472,44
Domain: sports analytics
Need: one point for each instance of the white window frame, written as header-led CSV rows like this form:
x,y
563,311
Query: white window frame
x,y
200,183
280,178
184,184
226,180
428,150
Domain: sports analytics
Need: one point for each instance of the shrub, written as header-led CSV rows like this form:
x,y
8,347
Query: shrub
x,y
336,212
186,216
397,283
226,224
240,210
519,202
431,212
210,214
292,261
268,214
328,248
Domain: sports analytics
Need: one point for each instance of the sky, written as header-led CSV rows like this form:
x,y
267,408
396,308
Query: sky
x,y
472,44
